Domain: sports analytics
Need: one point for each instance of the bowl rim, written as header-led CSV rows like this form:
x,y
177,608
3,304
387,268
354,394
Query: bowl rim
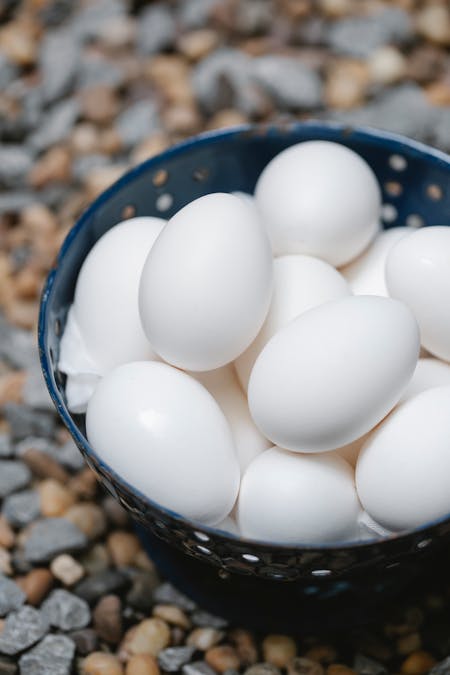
x,y
400,144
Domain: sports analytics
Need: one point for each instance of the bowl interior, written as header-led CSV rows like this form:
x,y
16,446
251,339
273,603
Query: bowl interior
x,y
414,180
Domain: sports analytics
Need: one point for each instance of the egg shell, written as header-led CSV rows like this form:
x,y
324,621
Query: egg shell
x,y
319,198
365,275
206,285
429,373
223,385
291,498
300,283
163,432
105,306
333,373
402,471
418,272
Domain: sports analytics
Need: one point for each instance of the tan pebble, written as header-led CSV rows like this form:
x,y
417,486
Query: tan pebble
x,y
142,664
23,313
123,547
107,619
339,669
36,585
438,93
197,44
66,569
322,653
303,666
99,104
387,65
433,23
296,9
148,637
163,67
222,658
150,147
172,615
100,663
11,386
346,83
55,498
88,517
44,466
205,638
38,220
336,8
110,142
417,663
279,650
182,119
228,117
84,484
97,180
409,643
96,559
27,283
143,562
7,535
84,139
5,561
18,43
54,166
118,31
245,645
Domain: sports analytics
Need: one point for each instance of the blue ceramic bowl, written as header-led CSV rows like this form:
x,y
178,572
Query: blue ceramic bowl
x,y
256,583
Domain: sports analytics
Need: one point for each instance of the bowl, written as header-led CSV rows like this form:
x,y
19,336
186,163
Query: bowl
x,y
256,583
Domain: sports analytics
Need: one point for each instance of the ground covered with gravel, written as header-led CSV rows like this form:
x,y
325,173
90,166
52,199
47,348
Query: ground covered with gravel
x,y
88,89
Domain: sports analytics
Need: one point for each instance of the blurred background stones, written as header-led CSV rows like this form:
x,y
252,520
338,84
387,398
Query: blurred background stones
x,y
89,88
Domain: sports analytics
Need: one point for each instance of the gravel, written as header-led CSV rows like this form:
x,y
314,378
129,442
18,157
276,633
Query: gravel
x,y
52,656
51,536
14,475
173,658
26,421
156,29
58,60
137,121
15,162
291,84
21,508
66,611
11,596
23,628
56,125
102,583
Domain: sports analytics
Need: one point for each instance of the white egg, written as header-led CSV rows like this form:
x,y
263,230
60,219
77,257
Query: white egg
x,y
319,198
350,451
206,285
418,272
290,498
429,373
300,282
105,307
162,431
366,274
402,470
229,525
224,386
330,375
370,529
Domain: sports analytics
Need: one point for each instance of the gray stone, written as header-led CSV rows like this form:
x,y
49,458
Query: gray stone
x,y
66,611
137,121
360,35
205,619
171,659
51,536
86,640
22,629
82,165
442,668
168,594
13,476
52,656
8,71
54,13
15,163
69,456
58,62
35,392
197,668
290,82
6,449
11,596
89,20
22,508
56,124
140,595
312,31
17,346
102,583
440,132
156,29
262,669
196,13
25,421
366,666
94,69
13,202
254,17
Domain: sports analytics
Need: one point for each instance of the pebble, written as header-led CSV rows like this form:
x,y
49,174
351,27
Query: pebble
x,y
86,640
169,595
55,498
92,588
137,122
442,668
52,167
6,561
58,61
7,536
141,595
11,595
99,104
36,585
39,461
115,512
149,637
245,645
366,666
409,643
222,658
290,83
66,569
262,669
173,658
387,65
15,163
346,84
13,476
156,29
7,667
56,125
100,663
172,615
327,654
25,421
339,669
418,663
6,449
84,484
197,44
51,536
66,611
52,656
107,619
433,23
87,517
303,666
96,560
123,547
142,664
22,629
8,71
279,650
205,638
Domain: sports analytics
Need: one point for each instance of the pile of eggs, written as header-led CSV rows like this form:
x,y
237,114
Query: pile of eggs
x,y
253,363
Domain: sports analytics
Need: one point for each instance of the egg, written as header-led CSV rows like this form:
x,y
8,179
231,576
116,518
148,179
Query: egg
x,y
207,282
228,525
223,385
418,272
402,471
429,373
319,198
350,451
334,372
105,311
163,433
300,283
290,498
365,275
